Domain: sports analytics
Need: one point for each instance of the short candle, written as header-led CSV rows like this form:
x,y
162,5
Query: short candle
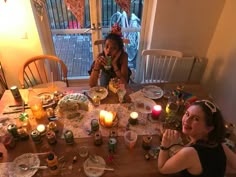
x,y
102,116
156,111
108,119
133,117
42,129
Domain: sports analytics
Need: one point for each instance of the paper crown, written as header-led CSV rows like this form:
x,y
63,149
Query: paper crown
x,y
116,29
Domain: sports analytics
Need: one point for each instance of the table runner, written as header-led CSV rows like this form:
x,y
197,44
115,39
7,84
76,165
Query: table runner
x,y
81,127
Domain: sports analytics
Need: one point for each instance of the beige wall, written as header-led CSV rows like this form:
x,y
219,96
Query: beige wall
x,y
19,38
219,77
186,25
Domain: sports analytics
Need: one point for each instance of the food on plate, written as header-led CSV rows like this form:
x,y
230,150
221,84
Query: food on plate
x,y
140,105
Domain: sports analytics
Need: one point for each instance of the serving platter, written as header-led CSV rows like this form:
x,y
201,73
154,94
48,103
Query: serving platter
x,y
152,92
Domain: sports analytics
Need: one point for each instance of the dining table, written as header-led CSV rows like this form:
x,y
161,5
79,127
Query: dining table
x,y
124,161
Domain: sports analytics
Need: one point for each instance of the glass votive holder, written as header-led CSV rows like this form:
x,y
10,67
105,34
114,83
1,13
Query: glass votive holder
x,y
147,142
83,151
50,112
52,126
133,119
69,137
96,100
51,137
94,125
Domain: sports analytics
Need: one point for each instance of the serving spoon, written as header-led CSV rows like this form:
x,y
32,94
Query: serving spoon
x,y
25,167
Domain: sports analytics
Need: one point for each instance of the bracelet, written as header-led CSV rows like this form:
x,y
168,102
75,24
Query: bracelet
x,y
167,148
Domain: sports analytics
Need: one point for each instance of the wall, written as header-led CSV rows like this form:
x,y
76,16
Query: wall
x,y
186,25
19,37
219,78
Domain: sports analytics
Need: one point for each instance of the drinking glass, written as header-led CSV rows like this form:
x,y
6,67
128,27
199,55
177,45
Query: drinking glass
x,y
130,138
121,93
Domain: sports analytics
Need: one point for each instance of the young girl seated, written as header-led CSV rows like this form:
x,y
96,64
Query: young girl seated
x,y
113,61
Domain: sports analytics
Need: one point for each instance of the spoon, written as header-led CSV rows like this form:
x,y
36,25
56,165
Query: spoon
x,y
26,167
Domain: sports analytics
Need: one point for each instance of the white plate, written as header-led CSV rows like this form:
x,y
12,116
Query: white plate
x,y
152,91
28,159
144,105
98,91
92,172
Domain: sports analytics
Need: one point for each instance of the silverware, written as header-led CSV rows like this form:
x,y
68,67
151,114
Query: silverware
x,y
12,112
25,167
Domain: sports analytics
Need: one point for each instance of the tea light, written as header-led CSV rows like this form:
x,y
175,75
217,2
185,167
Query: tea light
x,y
102,116
108,119
133,118
156,111
41,129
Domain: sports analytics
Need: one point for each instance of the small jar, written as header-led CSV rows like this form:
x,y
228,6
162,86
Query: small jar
x,y
69,137
52,126
52,162
51,137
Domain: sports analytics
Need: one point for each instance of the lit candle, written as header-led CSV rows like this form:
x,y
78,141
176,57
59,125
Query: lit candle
x,y
108,119
156,111
42,129
133,118
102,116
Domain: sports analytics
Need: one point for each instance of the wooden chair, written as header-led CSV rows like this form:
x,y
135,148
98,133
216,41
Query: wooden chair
x,y
41,70
158,65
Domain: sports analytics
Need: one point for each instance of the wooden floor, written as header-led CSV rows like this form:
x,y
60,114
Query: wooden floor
x,y
76,52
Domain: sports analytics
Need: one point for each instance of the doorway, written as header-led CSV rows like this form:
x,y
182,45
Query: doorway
x,y
73,42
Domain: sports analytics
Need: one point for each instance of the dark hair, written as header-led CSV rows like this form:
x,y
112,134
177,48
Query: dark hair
x,y
116,38
214,119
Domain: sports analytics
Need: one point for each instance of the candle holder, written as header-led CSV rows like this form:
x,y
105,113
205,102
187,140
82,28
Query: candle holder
x,y
41,129
133,118
108,119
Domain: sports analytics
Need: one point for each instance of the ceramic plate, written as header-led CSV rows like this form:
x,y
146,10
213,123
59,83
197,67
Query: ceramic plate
x,y
144,105
98,91
92,172
152,91
28,159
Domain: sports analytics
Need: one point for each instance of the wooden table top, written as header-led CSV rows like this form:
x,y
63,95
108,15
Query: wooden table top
x,y
126,162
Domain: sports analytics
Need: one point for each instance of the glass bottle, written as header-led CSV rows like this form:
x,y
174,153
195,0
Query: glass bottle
x,y
52,162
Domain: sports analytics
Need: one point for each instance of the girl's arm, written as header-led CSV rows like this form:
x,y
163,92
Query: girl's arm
x,y
122,73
